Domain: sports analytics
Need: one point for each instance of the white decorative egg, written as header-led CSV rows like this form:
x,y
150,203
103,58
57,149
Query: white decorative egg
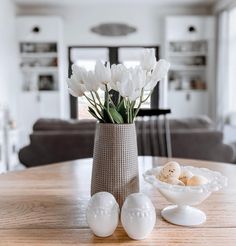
x,y
138,216
170,170
174,181
185,176
197,180
103,214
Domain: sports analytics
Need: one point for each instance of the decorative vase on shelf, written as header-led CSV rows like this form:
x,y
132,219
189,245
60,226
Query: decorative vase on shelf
x,y
115,160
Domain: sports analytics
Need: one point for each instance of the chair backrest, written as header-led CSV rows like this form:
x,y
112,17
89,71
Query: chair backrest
x,y
153,132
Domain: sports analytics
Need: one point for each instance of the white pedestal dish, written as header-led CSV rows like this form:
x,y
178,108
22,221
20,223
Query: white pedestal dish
x,y
183,215
186,196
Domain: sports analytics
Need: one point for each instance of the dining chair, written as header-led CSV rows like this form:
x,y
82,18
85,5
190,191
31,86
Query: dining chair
x,y
155,132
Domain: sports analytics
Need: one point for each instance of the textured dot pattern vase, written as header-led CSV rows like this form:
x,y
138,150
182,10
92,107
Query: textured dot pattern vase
x,y
115,160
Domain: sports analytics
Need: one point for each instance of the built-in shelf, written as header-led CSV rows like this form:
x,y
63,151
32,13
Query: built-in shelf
x,y
40,69
184,54
187,68
190,90
39,55
41,91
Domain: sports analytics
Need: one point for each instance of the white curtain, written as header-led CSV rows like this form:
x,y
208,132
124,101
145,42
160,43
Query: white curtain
x,y
222,88
232,61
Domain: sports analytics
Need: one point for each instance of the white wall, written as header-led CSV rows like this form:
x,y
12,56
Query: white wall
x,y
148,19
9,76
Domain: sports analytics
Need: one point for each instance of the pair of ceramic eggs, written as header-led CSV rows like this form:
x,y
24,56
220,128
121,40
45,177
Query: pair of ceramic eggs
x,y
172,173
138,215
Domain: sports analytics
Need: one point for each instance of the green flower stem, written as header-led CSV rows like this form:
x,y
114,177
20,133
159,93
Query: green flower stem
x,y
132,110
125,105
107,104
119,97
128,112
90,100
120,103
139,105
93,97
131,114
147,97
98,98
95,104
106,95
109,97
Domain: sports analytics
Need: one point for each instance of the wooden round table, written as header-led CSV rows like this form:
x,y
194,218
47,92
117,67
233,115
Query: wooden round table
x,y
46,206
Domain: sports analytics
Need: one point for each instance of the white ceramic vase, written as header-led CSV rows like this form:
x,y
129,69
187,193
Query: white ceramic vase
x,y
138,216
103,214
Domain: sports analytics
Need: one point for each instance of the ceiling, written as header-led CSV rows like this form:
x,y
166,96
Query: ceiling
x,y
91,2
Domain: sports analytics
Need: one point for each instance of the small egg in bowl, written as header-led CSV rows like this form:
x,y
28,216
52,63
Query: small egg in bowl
x,y
184,187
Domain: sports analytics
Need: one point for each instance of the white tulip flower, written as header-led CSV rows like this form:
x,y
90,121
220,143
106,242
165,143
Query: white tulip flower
x,y
127,89
91,82
76,83
149,84
131,85
160,71
75,88
148,59
118,73
102,73
138,76
79,73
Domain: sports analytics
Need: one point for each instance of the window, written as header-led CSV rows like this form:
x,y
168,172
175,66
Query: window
x,y
87,57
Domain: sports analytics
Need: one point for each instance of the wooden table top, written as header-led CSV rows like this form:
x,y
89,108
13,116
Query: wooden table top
x,y
46,206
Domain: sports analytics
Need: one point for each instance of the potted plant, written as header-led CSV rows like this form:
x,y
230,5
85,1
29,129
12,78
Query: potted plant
x,y
115,158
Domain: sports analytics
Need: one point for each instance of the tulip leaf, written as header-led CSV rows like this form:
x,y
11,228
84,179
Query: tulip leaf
x,y
106,116
117,117
122,110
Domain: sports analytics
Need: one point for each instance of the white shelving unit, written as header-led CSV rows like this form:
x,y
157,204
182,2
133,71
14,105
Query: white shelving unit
x,y
43,87
189,46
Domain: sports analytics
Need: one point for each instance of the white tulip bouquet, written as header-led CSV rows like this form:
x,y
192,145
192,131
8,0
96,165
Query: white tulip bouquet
x,y
130,83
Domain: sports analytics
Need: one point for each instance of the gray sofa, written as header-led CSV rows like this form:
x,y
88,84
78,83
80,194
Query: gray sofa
x,y
60,140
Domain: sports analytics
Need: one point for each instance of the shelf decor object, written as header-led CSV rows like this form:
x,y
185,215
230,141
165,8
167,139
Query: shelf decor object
x,y
115,163
184,197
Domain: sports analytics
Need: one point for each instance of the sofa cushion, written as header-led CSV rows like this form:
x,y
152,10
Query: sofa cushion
x,y
201,122
64,125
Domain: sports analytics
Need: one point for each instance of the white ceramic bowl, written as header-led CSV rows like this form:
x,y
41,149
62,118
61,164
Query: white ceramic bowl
x,y
185,196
